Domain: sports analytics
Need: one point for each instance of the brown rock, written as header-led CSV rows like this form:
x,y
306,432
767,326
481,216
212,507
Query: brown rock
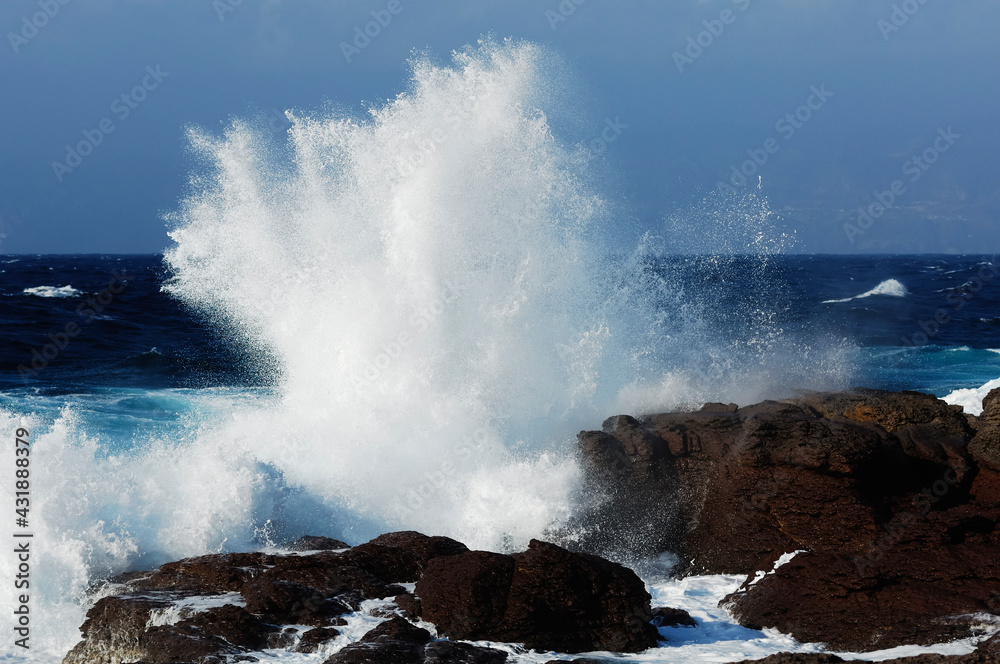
x,y
985,447
425,548
218,573
117,629
115,625
400,557
799,658
314,543
329,573
409,605
395,641
288,602
921,587
452,652
666,617
626,467
465,596
398,642
314,638
571,602
988,652
389,563
546,598
823,472
233,623
986,487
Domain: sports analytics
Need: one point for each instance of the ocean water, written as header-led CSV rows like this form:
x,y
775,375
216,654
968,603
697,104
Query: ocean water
x,y
401,321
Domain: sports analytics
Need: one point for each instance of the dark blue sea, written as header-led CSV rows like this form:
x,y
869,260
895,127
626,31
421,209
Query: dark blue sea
x,y
927,323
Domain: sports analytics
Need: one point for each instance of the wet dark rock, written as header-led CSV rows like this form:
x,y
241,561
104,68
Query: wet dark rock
x,y
315,543
799,658
922,588
316,637
409,605
667,617
465,596
452,652
399,642
985,447
400,557
331,573
823,472
395,641
119,626
988,652
288,602
232,623
424,547
547,598
282,640
894,496
212,574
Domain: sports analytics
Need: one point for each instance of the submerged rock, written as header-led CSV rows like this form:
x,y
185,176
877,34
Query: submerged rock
x,y
667,617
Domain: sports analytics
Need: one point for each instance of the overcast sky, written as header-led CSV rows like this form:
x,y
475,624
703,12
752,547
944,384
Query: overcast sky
x,y
886,80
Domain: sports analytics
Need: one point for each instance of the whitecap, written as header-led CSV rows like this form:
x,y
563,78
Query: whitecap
x,y
53,291
889,287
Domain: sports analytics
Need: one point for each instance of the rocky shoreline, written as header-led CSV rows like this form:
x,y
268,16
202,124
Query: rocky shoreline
x,y
863,520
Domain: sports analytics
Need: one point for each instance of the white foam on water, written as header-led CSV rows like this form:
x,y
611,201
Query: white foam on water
x,y
53,291
971,399
182,609
889,287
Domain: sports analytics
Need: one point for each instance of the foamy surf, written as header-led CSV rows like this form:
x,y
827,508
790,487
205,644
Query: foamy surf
x,y
889,287
53,291
971,399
